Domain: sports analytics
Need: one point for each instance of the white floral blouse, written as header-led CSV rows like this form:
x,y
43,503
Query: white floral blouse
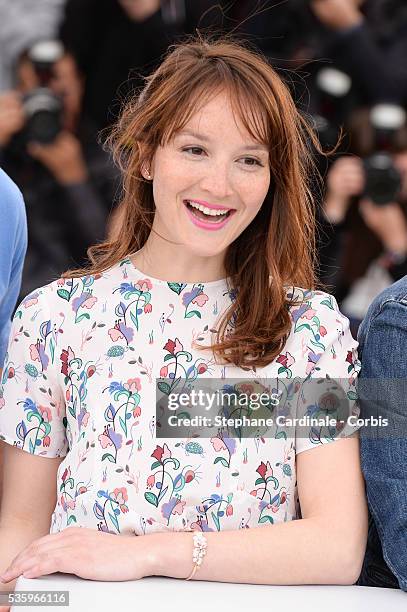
x,y
79,382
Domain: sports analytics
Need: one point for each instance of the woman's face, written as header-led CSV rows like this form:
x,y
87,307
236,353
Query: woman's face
x,y
213,162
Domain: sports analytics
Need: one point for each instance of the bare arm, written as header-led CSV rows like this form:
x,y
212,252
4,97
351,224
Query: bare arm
x,y
27,502
325,547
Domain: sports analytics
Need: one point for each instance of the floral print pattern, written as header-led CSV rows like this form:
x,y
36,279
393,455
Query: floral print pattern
x,y
79,383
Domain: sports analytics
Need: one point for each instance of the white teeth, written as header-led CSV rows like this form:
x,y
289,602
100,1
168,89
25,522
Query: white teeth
x,y
207,211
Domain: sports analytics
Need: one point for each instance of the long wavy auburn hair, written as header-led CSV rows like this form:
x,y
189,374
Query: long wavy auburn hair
x,y
276,251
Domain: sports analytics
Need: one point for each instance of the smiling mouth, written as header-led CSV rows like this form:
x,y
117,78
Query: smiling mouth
x,y
209,218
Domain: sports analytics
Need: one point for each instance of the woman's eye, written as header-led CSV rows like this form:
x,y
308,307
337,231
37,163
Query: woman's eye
x,y
252,161
194,150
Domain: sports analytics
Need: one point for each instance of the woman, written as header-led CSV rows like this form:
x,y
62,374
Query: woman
x,y
214,129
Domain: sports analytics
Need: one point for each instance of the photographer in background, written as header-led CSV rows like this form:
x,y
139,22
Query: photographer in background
x,y
117,42
367,39
48,147
365,212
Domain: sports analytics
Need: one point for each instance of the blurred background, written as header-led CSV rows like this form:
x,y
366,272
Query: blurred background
x,y
66,66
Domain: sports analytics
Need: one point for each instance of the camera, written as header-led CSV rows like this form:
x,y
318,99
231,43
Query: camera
x,y
43,109
382,179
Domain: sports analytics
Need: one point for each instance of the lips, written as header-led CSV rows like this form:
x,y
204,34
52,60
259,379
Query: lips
x,y
207,222
208,205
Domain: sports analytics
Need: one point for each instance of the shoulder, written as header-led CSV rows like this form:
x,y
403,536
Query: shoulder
x,y
395,293
388,310
11,201
307,304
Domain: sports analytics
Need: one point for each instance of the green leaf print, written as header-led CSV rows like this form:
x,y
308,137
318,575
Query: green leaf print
x,y
221,460
164,387
192,313
281,434
266,518
108,456
84,315
215,520
302,326
287,469
114,520
64,294
72,519
151,498
176,287
328,303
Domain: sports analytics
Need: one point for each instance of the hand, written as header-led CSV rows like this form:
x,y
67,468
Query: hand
x,y
87,553
63,158
337,14
12,117
387,222
346,178
140,10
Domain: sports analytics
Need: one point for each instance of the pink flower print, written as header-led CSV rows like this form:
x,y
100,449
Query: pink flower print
x,y
85,300
133,385
71,504
229,510
144,284
150,481
31,300
173,506
104,439
46,441
66,474
179,508
265,470
148,308
286,360
218,444
136,411
309,314
45,413
89,302
322,331
115,334
161,452
200,299
34,354
202,368
61,282
164,372
120,330
173,347
83,418
121,497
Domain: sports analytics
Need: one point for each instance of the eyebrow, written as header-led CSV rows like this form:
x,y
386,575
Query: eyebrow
x,y
254,147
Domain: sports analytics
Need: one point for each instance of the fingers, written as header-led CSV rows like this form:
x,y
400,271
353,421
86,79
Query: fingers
x,y
36,554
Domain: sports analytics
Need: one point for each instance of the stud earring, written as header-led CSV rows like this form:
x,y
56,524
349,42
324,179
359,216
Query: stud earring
x,y
147,175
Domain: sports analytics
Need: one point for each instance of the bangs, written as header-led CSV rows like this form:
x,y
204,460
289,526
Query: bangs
x,y
246,107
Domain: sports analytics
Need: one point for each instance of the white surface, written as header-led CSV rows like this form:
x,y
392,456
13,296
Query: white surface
x,y
173,595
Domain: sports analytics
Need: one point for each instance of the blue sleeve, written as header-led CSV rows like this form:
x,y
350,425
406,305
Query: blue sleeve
x,y
382,391
13,246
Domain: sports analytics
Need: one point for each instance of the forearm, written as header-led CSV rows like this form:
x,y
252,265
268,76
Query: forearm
x,y
306,551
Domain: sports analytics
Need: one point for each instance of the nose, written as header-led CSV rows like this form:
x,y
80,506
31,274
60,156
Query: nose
x,y
217,181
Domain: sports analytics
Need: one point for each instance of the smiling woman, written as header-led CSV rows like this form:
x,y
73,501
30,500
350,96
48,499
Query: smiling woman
x,y
208,277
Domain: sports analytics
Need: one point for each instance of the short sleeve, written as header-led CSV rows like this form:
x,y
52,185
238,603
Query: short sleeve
x,y
32,407
328,395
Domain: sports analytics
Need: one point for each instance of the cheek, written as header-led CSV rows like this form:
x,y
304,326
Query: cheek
x,y
253,192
